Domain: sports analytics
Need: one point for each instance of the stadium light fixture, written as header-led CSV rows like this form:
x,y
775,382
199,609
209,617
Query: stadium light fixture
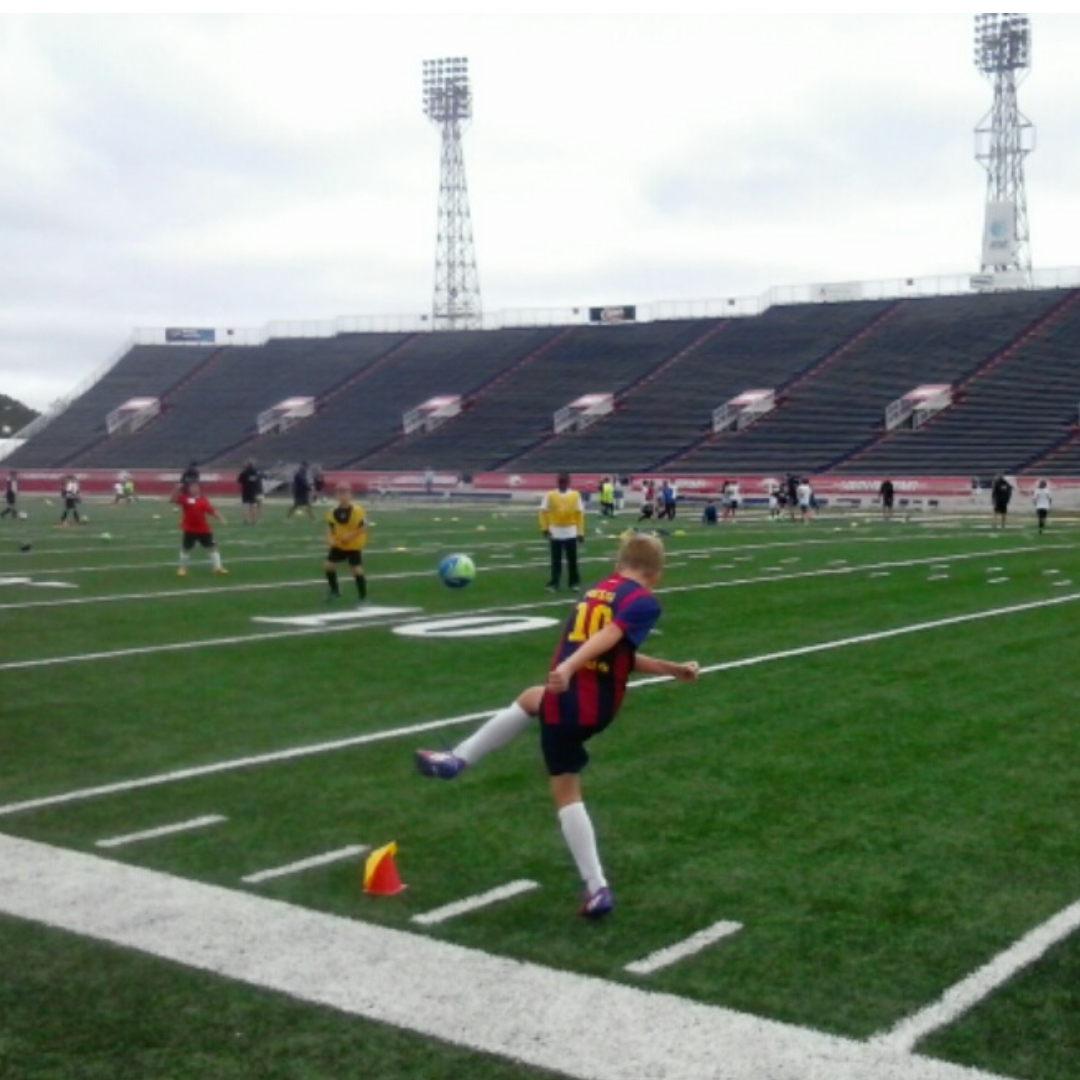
x,y
447,95
1002,43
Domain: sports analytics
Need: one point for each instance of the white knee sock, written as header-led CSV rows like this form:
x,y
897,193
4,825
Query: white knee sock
x,y
215,559
580,838
496,732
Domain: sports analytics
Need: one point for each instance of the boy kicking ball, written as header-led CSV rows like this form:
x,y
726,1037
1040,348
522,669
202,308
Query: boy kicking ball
x,y
597,652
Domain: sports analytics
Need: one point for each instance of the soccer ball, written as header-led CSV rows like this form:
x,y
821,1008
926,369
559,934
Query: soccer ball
x,y
457,571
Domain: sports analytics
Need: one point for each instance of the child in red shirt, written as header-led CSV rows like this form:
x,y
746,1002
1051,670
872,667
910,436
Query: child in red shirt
x,y
195,508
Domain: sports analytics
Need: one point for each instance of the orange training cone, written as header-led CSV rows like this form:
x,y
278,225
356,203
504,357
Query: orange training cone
x,y
380,873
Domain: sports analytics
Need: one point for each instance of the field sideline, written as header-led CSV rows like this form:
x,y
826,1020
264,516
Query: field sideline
x,y
871,785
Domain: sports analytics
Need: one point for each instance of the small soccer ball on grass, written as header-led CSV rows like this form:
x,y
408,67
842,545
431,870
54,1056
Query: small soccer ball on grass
x,y
457,571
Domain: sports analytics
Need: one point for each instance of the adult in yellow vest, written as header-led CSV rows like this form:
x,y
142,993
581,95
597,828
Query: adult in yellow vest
x,y
562,521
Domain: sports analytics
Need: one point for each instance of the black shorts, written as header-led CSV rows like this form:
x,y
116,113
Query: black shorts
x,y
353,558
206,540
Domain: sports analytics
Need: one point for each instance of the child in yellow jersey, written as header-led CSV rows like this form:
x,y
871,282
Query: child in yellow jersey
x,y
346,536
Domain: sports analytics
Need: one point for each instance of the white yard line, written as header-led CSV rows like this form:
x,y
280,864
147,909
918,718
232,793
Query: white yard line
x,y
663,958
434,725
967,993
299,867
167,594
270,635
182,592
243,639
474,903
844,569
495,1005
163,830
175,646
864,639
233,764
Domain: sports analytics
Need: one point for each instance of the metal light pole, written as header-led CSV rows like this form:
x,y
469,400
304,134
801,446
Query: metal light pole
x,y
1003,139
448,103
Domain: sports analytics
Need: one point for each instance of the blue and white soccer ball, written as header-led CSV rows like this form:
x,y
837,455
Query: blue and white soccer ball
x,y
457,571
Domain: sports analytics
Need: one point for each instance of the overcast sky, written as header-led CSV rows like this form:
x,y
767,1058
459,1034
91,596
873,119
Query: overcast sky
x,y
216,170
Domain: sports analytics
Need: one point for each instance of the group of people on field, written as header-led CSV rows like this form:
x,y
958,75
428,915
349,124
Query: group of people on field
x,y
794,495
1001,493
346,521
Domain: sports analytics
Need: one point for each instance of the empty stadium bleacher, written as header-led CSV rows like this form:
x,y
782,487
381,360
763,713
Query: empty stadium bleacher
x,y
352,427
215,412
841,407
1011,408
514,416
664,416
144,371
1012,359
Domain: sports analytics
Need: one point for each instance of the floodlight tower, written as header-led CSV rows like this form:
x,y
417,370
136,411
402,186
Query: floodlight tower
x,y
1002,140
448,103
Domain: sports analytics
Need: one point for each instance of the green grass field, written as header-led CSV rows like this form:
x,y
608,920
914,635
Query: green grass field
x,y
877,777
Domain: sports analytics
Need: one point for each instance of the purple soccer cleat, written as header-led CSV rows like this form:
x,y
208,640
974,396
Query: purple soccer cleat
x,y
597,904
441,764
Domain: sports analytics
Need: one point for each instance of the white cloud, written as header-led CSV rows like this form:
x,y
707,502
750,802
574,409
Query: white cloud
x,y
237,170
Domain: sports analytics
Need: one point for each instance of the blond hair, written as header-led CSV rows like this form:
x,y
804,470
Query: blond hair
x,y
641,553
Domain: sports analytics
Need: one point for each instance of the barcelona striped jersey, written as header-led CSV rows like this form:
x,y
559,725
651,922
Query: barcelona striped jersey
x,y
596,690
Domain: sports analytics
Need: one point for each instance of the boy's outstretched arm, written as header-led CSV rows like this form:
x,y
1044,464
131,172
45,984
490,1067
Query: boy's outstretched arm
x,y
650,665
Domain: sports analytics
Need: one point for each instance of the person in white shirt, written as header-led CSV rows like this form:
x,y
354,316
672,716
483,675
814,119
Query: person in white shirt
x,y
71,497
734,499
1042,499
805,496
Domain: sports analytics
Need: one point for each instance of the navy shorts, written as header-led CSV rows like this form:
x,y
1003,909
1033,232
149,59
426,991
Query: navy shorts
x,y
563,746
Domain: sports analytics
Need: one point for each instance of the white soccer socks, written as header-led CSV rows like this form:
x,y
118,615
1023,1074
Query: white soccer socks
x,y
502,728
580,838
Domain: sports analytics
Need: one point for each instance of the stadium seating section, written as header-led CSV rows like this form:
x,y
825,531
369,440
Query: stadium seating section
x,y
1012,359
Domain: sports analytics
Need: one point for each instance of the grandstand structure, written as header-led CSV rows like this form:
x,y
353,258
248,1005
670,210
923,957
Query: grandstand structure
x,y
1009,361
